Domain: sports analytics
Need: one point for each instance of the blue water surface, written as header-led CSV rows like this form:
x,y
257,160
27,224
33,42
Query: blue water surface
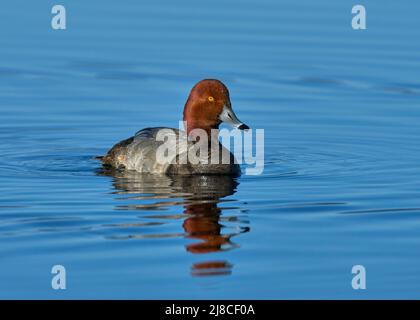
x,y
341,183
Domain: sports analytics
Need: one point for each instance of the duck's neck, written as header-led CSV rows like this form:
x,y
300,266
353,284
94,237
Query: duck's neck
x,y
197,126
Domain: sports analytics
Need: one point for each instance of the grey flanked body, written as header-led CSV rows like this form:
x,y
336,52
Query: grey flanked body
x,y
141,153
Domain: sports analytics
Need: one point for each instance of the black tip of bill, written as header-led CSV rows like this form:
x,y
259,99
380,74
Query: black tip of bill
x,y
243,127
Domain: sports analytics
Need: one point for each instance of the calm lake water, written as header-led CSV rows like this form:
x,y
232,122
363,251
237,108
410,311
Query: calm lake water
x,y
341,184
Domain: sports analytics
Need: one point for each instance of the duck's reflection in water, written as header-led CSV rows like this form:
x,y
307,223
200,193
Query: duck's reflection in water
x,y
202,217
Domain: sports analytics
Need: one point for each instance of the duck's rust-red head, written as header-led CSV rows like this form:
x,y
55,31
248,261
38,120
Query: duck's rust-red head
x,y
208,105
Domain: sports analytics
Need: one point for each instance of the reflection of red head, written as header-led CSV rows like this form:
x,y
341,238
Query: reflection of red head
x,y
211,268
203,224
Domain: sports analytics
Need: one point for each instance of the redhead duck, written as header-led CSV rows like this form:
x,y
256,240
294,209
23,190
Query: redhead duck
x,y
208,105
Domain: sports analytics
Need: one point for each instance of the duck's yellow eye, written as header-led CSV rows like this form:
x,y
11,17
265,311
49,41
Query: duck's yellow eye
x,y
210,98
